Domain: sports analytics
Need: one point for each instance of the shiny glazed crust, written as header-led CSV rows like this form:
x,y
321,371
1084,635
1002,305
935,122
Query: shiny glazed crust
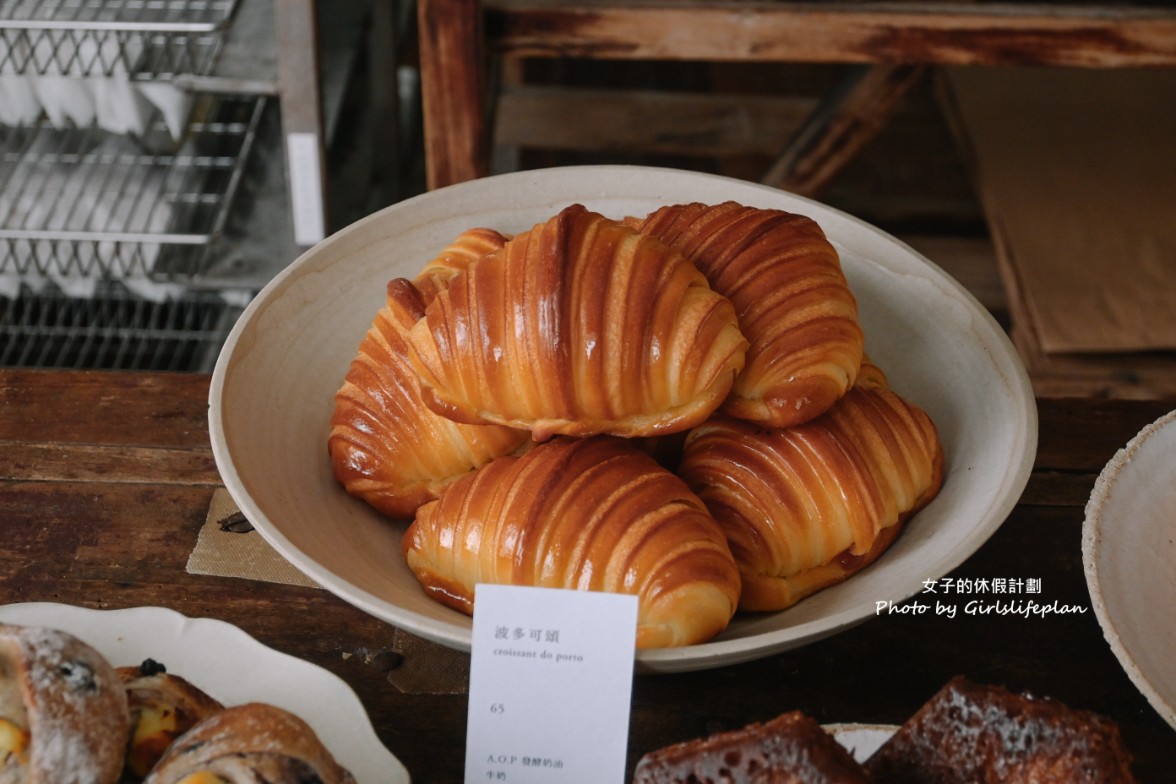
x,y
71,703
790,296
808,506
467,248
579,326
385,445
990,735
592,514
249,743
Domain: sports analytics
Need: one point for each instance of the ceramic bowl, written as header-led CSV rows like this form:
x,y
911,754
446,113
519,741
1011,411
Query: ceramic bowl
x,y
273,386
1129,555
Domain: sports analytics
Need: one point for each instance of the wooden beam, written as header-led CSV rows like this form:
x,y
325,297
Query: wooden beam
x,y
841,126
453,82
646,121
965,33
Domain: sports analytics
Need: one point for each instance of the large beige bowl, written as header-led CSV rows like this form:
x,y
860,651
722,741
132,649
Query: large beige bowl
x,y
1129,556
273,387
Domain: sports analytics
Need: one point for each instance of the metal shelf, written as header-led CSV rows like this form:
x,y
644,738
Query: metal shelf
x,y
139,39
87,203
115,330
139,250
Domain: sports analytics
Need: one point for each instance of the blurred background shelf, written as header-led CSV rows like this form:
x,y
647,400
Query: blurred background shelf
x,y
157,231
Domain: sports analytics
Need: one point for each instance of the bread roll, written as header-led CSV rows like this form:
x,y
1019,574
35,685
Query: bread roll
x,y
163,707
385,445
63,711
807,506
594,514
246,744
791,298
469,246
579,326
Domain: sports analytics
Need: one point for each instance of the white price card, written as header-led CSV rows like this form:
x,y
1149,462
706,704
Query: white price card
x,y
551,685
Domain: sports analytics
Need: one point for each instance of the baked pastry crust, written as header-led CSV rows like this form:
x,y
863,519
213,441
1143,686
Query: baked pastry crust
x,y
579,326
790,295
248,743
385,445
455,258
806,507
790,749
594,514
65,701
163,707
989,735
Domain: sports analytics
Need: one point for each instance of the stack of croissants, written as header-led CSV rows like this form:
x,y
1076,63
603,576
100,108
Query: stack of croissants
x,y
68,715
677,407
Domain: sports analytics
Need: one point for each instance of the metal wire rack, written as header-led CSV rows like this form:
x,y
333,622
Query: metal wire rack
x,y
115,330
83,203
139,39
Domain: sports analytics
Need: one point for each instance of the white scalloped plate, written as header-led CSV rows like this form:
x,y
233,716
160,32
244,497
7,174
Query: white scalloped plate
x,y
1129,555
861,740
231,666
273,389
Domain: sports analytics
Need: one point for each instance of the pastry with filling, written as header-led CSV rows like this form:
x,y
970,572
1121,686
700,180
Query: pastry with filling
x,y
63,711
590,514
163,707
807,506
579,326
791,298
247,744
986,734
790,749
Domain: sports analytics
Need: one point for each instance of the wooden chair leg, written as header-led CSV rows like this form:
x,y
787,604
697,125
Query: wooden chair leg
x,y
453,91
841,126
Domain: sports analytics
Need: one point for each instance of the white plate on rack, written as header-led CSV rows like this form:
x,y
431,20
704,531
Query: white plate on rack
x,y
1129,555
273,389
231,666
861,740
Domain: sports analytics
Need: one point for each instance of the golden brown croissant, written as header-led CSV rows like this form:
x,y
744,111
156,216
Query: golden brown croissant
x,y
63,711
579,326
791,297
807,506
467,248
594,514
246,744
163,707
385,445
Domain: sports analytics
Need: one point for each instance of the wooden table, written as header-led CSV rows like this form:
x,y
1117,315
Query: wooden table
x,y
106,478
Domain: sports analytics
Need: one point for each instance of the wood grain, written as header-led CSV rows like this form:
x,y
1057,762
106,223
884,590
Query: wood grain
x,y
104,486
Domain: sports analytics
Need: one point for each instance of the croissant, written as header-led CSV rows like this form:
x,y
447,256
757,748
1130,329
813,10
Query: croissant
x,y
385,445
793,303
246,744
163,707
806,507
469,246
579,326
63,711
595,514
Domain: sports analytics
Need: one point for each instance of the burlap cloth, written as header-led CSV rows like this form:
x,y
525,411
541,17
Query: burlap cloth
x,y
228,547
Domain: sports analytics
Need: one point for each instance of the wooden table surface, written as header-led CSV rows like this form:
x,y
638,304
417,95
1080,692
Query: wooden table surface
x,y
106,479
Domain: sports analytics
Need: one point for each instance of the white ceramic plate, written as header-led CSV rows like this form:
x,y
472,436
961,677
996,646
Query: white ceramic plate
x,y
862,740
1129,554
273,392
232,667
